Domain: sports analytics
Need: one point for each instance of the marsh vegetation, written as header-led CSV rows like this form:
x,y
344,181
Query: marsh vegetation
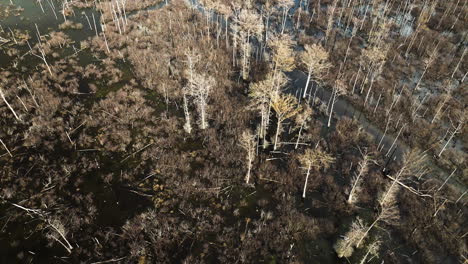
x,y
216,131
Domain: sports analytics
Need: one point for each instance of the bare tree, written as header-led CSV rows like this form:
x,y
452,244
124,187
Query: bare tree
x,y
339,89
388,209
200,89
261,93
447,87
314,159
427,63
192,58
2,95
187,125
249,144
285,107
344,246
388,213
456,129
58,233
283,54
5,147
363,168
247,24
40,48
301,120
372,249
315,58
373,59
227,12
330,14
285,5
54,225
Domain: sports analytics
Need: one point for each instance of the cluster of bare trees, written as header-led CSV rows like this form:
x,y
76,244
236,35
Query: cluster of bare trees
x,y
388,211
198,88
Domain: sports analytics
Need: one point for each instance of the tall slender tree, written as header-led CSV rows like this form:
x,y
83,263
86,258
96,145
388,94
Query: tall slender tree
x,y
356,182
314,159
285,6
315,59
247,25
249,144
285,107
200,89
340,88
301,120
373,59
283,55
261,94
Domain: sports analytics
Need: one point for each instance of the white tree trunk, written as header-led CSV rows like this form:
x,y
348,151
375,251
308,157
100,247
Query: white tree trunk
x,y
187,126
305,184
307,83
8,105
203,122
299,136
331,109
278,127
450,138
249,167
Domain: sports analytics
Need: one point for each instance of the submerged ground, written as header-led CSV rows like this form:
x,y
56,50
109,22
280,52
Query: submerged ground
x,y
180,132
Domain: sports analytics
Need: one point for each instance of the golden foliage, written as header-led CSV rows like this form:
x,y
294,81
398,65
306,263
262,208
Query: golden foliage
x,y
285,106
315,58
283,53
263,90
250,23
316,158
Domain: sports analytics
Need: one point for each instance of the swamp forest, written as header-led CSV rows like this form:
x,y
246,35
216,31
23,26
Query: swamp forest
x,y
233,131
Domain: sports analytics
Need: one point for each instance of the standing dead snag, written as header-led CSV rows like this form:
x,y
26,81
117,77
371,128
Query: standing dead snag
x,y
339,89
187,125
261,94
192,59
314,159
41,50
285,5
389,212
344,247
56,227
388,209
428,62
283,55
249,144
447,87
315,58
8,105
372,249
285,107
4,146
200,89
455,131
247,24
373,59
301,119
330,14
227,12
356,183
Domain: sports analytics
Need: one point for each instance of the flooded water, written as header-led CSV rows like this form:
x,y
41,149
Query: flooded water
x,y
47,21
44,20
